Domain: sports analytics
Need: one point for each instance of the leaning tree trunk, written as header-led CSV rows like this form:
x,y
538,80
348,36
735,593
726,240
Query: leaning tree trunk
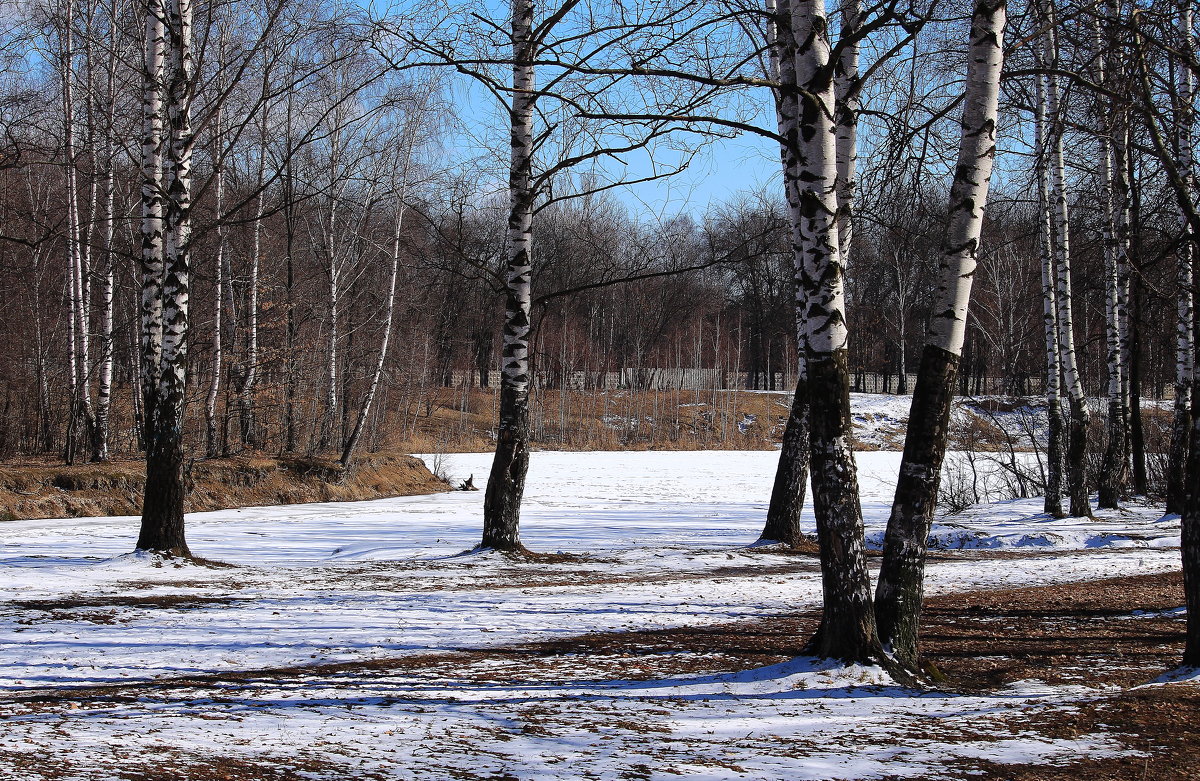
x,y
791,474
364,411
847,630
900,590
1055,457
162,528
212,433
1077,430
506,483
1185,346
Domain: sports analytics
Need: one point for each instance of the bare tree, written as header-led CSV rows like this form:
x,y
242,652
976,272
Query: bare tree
x,y
900,590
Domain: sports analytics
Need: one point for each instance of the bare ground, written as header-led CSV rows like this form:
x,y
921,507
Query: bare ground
x,y
1111,636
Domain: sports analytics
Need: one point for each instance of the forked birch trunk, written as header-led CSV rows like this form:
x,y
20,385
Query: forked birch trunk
x,y
900,591
847,631
79,381
506,483
791,474
162,528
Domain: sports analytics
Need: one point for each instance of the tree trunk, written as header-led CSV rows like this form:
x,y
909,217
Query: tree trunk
x,y
249,427
506,483
152,212
1055,455
1114,472
212,435
1133,340
162,528
901,579
1077,429
1190,545
100,431
1185,347
791,474
389,308
847,630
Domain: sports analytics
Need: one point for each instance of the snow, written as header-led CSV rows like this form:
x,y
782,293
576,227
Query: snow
x,y
661,541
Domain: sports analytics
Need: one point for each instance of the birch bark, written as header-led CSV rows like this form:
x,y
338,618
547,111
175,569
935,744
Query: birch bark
x,y
1114,472
101,429
1185,345
847,631
900,590
152,209
389,313
791,475
212,432
1055,457
1077,432
506,483
162,528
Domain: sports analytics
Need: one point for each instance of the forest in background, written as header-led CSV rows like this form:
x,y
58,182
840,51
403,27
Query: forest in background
x,y
302,175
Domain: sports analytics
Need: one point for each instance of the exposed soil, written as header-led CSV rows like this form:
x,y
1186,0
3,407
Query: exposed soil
x,y
1109,636
115,488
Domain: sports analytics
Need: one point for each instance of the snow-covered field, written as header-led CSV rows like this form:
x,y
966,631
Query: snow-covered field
x,y
661,541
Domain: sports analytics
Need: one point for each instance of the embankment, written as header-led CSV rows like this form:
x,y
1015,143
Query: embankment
x,y
57,491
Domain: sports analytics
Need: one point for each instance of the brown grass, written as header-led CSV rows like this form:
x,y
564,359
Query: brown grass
x,y
115,488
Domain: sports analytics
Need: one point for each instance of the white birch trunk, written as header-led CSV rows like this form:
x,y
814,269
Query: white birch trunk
x,y
791,476
249,424
1077,436
162,528
152,209
847,630
212,436
1054,446
846,89
381,359
506,483
900,591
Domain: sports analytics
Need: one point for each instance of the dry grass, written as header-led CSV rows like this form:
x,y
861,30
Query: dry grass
x,y
56,491
460,420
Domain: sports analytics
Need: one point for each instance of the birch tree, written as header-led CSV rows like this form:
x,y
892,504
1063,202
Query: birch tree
x,y
167,151
1114,189
1185,344
1055,455
1076,451
900,590
847,629
791,475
